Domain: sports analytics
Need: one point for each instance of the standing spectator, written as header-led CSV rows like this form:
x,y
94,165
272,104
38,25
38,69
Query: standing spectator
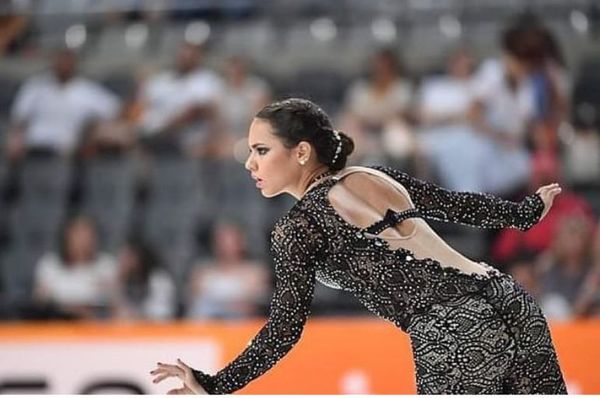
x,y
145,289
53,111
503,113
446,138
180,107
78,281
243,96
230,286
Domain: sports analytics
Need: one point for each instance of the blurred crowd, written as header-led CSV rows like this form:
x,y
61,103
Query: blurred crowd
x,y
138,207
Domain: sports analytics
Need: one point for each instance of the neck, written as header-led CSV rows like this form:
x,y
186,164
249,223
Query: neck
x,y
308,178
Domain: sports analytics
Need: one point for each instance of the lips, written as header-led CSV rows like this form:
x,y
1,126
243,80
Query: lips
x,y
258,181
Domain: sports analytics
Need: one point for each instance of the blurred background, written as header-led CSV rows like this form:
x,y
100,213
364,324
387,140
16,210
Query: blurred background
x,y
124,200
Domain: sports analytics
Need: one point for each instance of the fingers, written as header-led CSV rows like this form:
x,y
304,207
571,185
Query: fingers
x,y
161,377
178,391
164,371
184,366
549,191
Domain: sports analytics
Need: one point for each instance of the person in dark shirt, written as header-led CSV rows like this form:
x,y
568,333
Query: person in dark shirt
x,y
473,329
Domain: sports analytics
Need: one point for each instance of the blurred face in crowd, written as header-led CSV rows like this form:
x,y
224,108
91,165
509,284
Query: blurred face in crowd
x,y
236,70
274,167
522,271
80,241
515,68
383,67
460,64
187,58
229,243
572,239
129,262
64,65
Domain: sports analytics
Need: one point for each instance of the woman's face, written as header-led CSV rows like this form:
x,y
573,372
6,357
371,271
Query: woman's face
x,y
81,241
274,167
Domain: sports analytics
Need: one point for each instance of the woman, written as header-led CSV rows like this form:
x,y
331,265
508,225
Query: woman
x,y
362,229
78,281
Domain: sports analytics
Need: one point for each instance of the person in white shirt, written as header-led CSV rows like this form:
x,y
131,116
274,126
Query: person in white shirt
x,y
79,281
243,96
179,107
446,139
503,112
52,110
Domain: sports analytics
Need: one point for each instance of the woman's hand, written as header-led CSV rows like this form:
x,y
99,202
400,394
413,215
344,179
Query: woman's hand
x,y
183,372
547,193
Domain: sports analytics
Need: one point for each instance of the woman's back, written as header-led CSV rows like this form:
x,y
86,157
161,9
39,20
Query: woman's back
x,y
362,196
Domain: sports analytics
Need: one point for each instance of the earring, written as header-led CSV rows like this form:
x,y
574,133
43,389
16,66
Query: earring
x,y
303,162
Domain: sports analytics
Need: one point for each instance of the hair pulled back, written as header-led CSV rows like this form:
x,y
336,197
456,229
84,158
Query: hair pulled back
x,y
296,119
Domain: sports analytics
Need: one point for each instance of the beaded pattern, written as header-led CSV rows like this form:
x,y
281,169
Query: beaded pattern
x,y
470,333
338,148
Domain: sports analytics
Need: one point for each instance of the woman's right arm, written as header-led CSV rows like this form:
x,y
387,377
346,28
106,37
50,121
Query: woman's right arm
x,y
295,243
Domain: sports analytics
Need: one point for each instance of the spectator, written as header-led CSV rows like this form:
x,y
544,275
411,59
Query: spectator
x,y
446,137
242,97
78,281
180,106
524,271
564,268
230,286
378,103
510,241
53,111
145,289
503,113
588,303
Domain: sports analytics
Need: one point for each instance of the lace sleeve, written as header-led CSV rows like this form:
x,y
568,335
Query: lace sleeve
x,y
471,208
294,243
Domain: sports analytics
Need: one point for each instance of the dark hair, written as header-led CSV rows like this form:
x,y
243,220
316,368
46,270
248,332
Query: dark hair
x,y
296,119
137,284
531,42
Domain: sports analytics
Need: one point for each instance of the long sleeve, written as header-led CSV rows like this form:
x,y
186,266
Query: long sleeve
x,y
295,243
471,208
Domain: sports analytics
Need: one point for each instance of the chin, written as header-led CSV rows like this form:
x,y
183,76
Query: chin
x,y
269,193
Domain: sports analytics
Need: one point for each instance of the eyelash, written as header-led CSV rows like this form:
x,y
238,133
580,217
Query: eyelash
x,y
261,151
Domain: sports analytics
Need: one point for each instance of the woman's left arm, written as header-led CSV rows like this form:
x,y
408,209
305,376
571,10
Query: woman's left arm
x,y
295,243
474,208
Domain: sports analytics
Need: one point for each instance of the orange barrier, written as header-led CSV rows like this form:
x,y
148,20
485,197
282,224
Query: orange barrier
x,y
334,356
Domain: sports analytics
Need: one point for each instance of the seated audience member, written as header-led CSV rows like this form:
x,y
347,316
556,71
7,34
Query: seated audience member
x,y
230,286
565,267
510,241
377,107
78,281
145,290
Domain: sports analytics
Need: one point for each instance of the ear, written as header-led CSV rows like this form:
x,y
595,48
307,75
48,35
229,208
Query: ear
x,y
304,151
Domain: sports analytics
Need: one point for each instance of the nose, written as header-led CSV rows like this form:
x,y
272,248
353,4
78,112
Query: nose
x,y
249,163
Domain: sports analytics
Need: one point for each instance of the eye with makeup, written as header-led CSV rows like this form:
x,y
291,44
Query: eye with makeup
x,y
261,151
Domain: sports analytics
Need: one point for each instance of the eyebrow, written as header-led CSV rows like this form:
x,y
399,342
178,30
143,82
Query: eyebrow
x,y
257,144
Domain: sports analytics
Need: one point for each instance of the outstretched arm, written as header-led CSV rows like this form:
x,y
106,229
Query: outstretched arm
x,y
295,243
471,208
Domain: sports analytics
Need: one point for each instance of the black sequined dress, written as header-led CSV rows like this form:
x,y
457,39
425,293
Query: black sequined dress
x,y
470,333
